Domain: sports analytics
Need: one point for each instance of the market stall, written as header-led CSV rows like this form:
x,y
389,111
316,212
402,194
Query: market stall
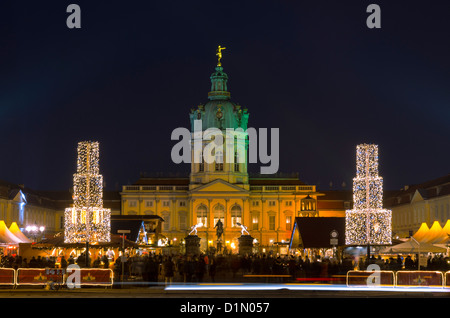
x,y
55,247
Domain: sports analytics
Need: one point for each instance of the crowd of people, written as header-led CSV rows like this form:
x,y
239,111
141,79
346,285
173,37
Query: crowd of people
x,y
17,261
434,262
212,268
152,267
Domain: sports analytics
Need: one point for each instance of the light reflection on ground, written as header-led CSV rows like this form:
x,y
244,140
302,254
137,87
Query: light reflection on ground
x,y
305,287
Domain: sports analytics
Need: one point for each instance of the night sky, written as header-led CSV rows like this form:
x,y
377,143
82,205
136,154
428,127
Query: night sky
x,y
313,69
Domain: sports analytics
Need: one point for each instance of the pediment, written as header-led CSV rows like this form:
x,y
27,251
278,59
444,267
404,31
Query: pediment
x,y
417,197
18,196
217,186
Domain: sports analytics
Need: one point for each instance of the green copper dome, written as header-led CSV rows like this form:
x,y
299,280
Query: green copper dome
x,y
219,112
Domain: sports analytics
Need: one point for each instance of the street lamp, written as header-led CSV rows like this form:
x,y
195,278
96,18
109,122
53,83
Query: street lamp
x,y
123,258
34,231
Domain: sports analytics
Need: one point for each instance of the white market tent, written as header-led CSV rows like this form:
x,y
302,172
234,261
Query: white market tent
x,y
14,229
411,247
444,237
435,234
6,237
421,232
425,240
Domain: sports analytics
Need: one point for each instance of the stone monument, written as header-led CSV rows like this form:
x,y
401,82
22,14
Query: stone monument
x,y
245,241
193,241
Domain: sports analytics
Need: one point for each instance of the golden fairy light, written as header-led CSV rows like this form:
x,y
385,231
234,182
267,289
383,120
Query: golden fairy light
x,y
367,223
87,220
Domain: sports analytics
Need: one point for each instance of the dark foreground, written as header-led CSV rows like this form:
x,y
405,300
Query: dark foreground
x,y
218,299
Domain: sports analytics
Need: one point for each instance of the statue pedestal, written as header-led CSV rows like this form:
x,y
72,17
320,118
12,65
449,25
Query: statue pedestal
x,y
192,245
245,245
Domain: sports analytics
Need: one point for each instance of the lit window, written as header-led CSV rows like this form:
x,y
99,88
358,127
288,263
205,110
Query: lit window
x,y
219,213
272,222
288,223
236,215
255,222
202,215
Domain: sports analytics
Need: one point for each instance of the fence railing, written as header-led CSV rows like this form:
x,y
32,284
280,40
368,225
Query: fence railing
x,y
136,188
402,278
44,276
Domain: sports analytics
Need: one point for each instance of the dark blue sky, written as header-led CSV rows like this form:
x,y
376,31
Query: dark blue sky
x,y
313,69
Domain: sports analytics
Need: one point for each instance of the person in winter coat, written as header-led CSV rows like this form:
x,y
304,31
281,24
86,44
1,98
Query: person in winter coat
x,y
168,268
188,269
200,269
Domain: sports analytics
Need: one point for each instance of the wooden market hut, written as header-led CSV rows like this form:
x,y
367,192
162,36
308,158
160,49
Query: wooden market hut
x,y
316,233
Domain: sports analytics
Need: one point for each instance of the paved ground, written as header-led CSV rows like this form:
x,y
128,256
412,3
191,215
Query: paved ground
x,y
209,290
213,300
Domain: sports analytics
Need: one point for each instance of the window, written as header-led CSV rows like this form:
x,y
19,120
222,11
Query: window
x,y
166,223
288,223
271,222
148,203
219,161
272,203
288,203
255,222
308,204
202,215
183,221
166,203
236,215
201,165
219,213
255,203
182,203
132,203
236,162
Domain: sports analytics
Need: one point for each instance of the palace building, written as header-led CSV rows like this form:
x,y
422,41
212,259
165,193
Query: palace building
x,y
223,190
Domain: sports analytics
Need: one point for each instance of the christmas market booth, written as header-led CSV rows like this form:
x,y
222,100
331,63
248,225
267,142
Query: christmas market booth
x,y
145,230
318,236
10,238
425,242
55,247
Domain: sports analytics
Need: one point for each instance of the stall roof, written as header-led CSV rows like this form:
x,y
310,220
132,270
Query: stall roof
x,y
57,240
412,247
433,235
14,228
314,232
134,226
6,237
421,232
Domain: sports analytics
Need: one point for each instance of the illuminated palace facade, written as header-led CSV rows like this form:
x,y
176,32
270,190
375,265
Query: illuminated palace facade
x,y
266,205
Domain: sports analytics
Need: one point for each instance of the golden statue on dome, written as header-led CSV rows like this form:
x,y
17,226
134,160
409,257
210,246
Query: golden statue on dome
x,y
219,54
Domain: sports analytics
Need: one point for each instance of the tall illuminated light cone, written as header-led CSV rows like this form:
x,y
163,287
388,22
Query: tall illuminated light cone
x,y
87,220
368,223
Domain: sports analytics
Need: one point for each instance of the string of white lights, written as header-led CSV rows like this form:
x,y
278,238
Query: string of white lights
x,y
87,220
368,222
